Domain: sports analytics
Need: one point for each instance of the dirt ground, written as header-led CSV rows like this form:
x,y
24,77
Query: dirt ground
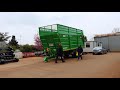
x,y
92,66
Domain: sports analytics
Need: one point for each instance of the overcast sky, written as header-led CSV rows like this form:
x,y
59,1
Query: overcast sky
x,y
25,24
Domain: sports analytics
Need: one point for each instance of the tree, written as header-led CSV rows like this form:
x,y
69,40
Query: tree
x,y
13,43
85,38
38,43
115,30
4,36
27,48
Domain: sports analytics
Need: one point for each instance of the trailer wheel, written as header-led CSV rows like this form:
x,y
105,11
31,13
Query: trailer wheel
x,y
74,55
66,55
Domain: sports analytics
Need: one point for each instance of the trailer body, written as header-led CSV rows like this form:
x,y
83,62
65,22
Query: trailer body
x,y
70,38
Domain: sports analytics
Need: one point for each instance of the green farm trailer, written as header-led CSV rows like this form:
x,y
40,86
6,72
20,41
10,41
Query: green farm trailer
x,y
70,38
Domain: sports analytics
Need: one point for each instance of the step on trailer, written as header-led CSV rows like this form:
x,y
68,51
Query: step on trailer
x,y
70,38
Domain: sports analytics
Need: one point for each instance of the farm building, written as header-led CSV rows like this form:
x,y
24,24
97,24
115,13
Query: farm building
x,y
109,41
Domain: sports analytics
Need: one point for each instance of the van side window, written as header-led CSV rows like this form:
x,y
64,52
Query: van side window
x,y
88,45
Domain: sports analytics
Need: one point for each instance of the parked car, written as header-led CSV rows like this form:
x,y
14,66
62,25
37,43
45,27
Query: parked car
x,y
99,50
28,54
38,53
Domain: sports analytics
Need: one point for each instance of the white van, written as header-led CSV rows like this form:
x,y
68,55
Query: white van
x,y
89,45
18,54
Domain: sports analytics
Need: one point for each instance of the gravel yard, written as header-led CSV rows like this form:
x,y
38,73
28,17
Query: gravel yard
x,y
92,66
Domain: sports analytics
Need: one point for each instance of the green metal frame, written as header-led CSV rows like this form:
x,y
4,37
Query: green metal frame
x,y
70,38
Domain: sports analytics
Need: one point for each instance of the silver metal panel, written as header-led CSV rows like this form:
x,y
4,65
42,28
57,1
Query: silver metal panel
x,y
104,41
114,43
110,42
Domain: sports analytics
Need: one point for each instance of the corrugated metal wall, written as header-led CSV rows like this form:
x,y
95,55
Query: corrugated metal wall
x,y
110,42
104,41
114,43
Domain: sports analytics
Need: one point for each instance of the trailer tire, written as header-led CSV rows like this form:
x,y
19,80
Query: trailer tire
x,y
74,55
66,55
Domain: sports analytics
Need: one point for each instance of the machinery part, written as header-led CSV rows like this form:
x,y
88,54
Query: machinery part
x,y
7,55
